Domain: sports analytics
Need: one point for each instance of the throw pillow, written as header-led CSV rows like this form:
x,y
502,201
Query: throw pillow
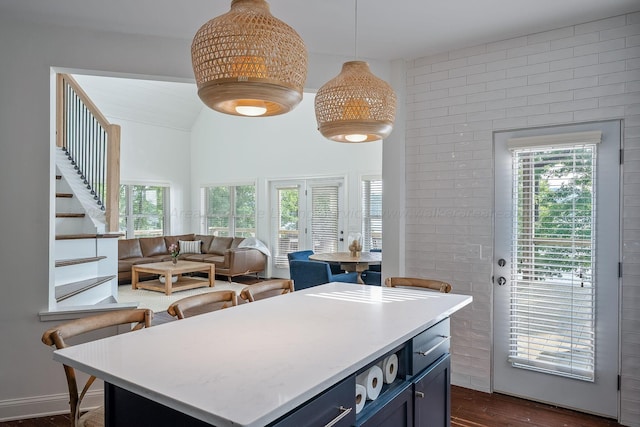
x,y
189,246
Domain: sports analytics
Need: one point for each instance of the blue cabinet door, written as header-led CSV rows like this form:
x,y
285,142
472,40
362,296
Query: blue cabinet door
x,y
432,395
397,412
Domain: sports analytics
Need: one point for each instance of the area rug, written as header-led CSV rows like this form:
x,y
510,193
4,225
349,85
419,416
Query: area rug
x,y
159,302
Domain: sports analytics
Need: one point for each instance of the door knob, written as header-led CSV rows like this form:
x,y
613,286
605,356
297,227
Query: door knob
x,y
502,281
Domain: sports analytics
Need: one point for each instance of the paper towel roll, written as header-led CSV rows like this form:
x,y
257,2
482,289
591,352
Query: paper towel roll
x,y
389,366
372,381
361,397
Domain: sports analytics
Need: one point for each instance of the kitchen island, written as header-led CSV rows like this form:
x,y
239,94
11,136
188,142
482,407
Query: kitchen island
x,y
256,364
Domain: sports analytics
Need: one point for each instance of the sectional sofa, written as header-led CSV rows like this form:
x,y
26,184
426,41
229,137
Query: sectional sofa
x,y
227,253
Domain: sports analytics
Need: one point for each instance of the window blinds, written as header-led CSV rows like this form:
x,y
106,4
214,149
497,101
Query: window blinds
x,y
552,320
372,214
324,220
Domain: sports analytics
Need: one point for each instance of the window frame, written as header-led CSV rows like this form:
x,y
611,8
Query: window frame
x,y
367,218
232,216
130,218
535,250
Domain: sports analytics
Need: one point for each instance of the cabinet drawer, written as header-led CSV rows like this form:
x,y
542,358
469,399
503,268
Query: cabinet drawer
x,y
429,346
335,405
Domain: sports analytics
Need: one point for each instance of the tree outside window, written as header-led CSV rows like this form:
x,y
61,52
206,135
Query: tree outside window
x,y
143,210
230,210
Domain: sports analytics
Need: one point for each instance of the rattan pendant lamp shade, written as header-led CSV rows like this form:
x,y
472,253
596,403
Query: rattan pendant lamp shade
x,y
247,62
355,106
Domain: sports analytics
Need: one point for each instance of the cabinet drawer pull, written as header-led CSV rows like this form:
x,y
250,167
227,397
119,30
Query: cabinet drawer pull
x,y
426,353
343,413
420,394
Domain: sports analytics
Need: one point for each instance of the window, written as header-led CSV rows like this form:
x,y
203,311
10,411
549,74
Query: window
x,y
308,217
230,210
143,210
552,286
288,227
371,214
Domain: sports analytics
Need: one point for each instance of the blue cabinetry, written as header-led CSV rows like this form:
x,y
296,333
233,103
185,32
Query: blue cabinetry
x,y
419,396
432,395
334,407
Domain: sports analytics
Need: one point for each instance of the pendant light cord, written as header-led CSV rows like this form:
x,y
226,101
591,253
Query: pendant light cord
x,y
355,31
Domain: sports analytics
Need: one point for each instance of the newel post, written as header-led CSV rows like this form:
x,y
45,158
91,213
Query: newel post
x,y
112,210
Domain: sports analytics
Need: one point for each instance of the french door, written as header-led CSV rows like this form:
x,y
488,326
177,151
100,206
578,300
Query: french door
x,y
306,215
556,265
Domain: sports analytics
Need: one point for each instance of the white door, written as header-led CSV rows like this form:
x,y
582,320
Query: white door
x,y
324,226
556,266
307,215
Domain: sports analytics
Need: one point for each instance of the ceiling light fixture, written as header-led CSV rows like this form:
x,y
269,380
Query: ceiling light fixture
x,y
247,62
355,106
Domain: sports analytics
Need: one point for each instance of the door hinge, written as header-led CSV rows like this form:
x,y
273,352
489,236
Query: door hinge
x,y
621,156
619,270
619,382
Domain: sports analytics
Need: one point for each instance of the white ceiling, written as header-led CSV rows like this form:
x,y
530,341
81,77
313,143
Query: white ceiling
x,y
156,103
386,30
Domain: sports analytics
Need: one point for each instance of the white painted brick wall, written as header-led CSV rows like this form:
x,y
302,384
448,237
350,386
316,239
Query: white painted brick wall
x,y
455,101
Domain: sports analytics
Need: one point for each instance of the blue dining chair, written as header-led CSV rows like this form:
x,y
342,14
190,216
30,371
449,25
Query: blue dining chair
x,y
304,256
306,274
373,275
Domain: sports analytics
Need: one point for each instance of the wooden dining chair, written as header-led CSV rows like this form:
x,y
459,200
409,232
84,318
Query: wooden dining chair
x,y
58,336
202,303
269,288
436,285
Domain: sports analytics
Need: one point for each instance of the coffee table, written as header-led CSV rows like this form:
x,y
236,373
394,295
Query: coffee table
x,y
167,269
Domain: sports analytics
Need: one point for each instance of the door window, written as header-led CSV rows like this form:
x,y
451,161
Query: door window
x,y
552,298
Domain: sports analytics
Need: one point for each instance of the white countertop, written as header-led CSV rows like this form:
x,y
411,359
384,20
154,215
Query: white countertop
x,y
249,365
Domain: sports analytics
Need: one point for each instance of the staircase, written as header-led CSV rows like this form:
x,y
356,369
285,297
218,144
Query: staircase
x,y
87,158
85,257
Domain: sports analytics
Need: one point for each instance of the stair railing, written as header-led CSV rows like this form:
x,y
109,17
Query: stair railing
x,y
91,143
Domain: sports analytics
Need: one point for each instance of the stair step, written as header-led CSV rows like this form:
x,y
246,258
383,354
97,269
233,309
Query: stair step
x,y
64,195
108,300
75,261
88,236
70,289
70,215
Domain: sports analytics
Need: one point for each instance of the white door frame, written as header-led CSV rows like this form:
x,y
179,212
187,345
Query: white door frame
x,y
304,220
602,396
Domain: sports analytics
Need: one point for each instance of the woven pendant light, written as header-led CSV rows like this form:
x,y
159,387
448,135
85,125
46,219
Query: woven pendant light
x,y
246,62
355,106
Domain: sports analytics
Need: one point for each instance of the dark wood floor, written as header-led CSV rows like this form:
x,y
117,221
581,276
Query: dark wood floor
x,y
469,408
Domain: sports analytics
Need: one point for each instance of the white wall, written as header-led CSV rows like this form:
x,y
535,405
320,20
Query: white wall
x,y
454,103
155,155
231,150
31,383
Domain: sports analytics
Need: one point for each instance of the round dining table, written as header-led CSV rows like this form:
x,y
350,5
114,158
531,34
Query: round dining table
x,y
348,263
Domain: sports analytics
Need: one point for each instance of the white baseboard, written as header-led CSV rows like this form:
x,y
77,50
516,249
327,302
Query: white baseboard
x,y
42,406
